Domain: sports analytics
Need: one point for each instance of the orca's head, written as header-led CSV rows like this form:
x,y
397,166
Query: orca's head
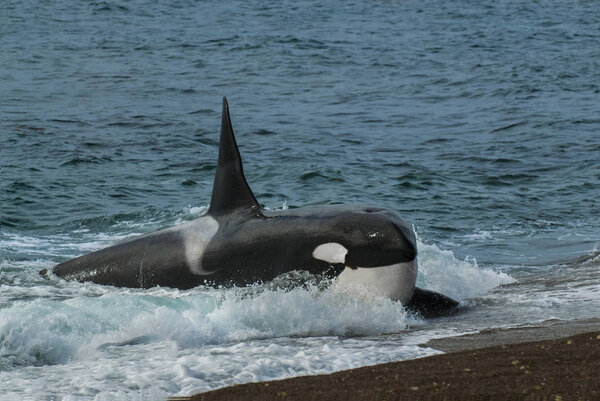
x,y
367,237
377,249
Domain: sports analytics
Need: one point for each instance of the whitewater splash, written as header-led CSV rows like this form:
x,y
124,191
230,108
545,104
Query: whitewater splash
x,y
459,279
158,342
67,339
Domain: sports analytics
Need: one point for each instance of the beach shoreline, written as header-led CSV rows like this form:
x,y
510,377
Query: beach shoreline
x,y
562,364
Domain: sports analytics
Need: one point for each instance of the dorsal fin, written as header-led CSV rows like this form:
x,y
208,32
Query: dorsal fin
x,y
230,190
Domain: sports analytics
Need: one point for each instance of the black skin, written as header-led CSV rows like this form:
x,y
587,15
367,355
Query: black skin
x,y
431,304
143,262
252,247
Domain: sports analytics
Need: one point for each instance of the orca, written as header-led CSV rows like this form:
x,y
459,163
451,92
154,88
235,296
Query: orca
x,y
237,243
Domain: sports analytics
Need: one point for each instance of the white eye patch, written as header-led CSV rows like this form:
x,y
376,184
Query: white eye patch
x,y
331,252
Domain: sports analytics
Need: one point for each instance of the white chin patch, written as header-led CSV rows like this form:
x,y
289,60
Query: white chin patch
x,y
396,282
331,252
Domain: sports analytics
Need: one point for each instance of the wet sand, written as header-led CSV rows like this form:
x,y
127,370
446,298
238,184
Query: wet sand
x,y
567,368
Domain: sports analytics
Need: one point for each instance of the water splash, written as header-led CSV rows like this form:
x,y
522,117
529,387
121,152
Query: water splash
x,y
441,271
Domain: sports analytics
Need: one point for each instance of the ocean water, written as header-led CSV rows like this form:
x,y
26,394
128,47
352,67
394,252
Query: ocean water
x,y
477,121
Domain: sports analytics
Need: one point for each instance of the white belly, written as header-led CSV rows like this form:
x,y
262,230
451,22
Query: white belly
x,y
396,282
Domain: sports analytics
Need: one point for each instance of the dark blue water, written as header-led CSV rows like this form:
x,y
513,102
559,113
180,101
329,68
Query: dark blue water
x,y
466,117
478,121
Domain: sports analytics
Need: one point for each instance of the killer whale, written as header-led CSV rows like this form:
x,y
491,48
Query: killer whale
x,y
236,242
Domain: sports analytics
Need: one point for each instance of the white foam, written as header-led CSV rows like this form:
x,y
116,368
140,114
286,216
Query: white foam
x,y
61,245
441,271
549,302
142,344
284,206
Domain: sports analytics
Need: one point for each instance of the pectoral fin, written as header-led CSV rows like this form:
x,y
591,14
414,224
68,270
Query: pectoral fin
x,y
431,304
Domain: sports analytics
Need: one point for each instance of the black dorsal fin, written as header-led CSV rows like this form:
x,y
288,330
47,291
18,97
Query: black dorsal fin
x,y
230,190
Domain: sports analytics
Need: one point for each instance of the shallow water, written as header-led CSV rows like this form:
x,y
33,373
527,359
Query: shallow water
x,y
477,121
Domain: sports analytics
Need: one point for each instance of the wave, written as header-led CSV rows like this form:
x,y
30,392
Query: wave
x,y
441,271
47,331
54,322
